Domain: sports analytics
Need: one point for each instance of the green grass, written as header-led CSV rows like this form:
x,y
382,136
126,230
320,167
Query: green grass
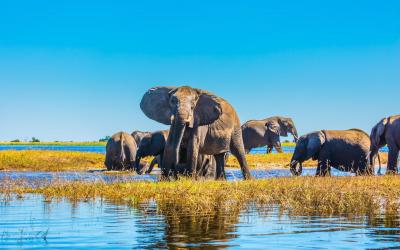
x,y
297,195
94,143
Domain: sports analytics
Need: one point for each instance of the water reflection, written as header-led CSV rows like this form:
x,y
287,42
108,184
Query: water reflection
x,y
33,223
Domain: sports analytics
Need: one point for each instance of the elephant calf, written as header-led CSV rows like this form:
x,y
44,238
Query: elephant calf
x,y
345,150
151,145
120,152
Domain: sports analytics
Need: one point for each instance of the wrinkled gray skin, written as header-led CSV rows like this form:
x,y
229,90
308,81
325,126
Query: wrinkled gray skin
x,y
152,145
139,135
211,124
387,132
120,152
345,150
267,132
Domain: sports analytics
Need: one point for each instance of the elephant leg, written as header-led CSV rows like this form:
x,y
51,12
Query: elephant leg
x,y
237,150
323,168
220,168
278,147
153,162
392,161
269,149
193,153
108,162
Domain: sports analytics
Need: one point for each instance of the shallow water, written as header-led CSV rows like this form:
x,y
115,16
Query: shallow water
x,y
102,149
33,223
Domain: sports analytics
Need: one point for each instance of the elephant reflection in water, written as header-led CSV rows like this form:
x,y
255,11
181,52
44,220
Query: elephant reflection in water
x,y
181,229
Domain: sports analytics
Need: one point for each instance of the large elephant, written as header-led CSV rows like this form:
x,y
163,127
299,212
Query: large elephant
x,y
152,145
211,124
139,135
387,132
266,132
120,152
346,150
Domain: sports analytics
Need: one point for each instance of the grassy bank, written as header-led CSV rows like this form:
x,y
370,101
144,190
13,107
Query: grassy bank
x,y
35,160
46,160
95,143
298,195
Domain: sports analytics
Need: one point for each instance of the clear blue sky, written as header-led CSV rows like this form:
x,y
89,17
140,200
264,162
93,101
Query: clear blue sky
x,y
76,70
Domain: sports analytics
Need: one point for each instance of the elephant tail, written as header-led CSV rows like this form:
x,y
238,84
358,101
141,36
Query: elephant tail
x,y
371,157
380,166
122,156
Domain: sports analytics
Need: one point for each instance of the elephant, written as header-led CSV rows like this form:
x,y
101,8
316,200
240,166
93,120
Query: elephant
x,y
139,135
151,145
210,123
345,150
266,132
387,132
120,152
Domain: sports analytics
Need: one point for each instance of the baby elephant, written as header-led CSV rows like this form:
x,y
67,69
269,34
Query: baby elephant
x,y
151,145
345,150
120,152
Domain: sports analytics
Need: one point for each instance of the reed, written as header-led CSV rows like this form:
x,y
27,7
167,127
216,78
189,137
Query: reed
x,y
296,195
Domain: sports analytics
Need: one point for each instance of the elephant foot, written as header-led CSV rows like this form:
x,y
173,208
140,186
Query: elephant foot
x,y
391,172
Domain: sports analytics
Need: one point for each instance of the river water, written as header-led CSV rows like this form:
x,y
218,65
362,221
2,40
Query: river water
x,y
33,223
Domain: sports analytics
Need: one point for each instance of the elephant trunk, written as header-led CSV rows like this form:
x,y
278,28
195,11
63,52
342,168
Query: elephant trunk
x,y
138,169
293,168
172,147
295,135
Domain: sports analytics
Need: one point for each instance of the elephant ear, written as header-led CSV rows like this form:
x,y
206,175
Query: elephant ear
x,y
274,127
155,104
315,142
208,108
380,130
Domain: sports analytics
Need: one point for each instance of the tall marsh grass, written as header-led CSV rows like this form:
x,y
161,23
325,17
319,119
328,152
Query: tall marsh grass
x,y
296,195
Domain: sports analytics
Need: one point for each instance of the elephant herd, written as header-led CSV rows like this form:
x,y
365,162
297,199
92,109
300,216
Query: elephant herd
x,y
204,128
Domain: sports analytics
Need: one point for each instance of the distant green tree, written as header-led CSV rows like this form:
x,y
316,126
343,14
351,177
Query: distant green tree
x,y
16,140
105,139
34,139
286,141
